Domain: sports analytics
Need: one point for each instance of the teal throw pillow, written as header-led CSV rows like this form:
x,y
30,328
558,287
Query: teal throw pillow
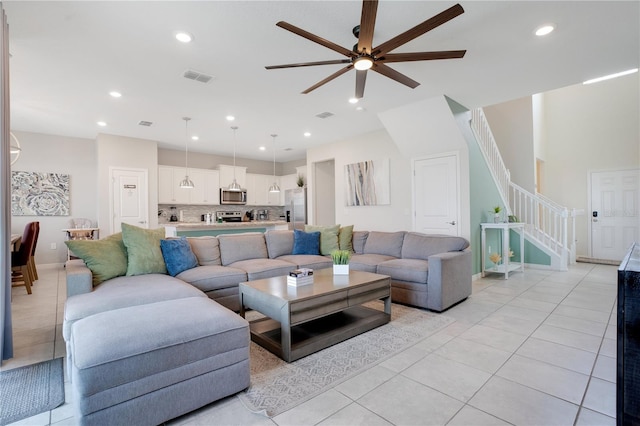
x,y
306,242
178,255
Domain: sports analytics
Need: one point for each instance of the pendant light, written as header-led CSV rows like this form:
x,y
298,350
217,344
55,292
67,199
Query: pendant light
x,y
186,182
274,187
15,149
234,185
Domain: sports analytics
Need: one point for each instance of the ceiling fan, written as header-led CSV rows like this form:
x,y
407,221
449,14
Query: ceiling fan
x,y
364,56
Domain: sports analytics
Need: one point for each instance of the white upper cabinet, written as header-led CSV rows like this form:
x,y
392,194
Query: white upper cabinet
x,y
205,189
227,172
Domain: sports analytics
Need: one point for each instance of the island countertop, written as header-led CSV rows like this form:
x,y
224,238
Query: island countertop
x,y
214,228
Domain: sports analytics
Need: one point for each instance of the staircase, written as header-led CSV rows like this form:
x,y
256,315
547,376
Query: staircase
x,y
548,226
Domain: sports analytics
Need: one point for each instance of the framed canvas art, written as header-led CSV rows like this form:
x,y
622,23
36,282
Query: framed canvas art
x,y
367,183
39,194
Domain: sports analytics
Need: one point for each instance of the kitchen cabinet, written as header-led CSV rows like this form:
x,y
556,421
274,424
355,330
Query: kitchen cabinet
x,y
169,191
258,190
226,175
205,191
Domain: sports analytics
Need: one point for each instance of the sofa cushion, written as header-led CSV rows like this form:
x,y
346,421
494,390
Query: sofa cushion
x,y
238,247
359,239
206,249
345,237
413,270
308,261
258,269
421,246
328,237
279,243
306,242
106,258
177,255
367,262
143,250
387,243
213,277
122,292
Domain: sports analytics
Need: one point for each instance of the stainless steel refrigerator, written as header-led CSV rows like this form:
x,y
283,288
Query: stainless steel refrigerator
x,y
295,206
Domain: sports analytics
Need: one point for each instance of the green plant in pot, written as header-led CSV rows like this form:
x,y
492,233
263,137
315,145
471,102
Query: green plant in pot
x,y
300,181
340,260
496,214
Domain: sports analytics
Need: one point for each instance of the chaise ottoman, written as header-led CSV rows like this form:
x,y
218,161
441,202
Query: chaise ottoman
x,y
150,363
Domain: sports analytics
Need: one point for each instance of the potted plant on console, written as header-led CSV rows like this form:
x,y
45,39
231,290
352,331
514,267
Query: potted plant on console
x,y
341,262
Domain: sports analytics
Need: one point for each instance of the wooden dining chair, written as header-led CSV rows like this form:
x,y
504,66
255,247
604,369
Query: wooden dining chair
x,y
20,272
32,258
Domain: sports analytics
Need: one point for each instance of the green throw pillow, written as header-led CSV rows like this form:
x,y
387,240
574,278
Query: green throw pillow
x,y
328,237
345,238
143,250
106,258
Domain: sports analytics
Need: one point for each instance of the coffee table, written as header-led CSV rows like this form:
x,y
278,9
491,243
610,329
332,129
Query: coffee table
x,y
303,320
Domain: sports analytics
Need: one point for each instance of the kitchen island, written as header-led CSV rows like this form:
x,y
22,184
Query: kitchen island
x,y
199,229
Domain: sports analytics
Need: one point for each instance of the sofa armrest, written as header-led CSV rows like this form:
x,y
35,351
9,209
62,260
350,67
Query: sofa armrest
x,y
79,278
449,279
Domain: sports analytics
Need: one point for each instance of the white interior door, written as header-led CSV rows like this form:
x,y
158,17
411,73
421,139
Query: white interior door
x,y
130,198
436,195
615,216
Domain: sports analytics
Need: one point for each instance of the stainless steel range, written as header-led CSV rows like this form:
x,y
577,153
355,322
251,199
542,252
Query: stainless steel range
x,y
227,216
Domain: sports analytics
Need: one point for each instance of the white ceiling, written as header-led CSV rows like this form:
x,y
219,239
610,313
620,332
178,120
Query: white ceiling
x,y
67,56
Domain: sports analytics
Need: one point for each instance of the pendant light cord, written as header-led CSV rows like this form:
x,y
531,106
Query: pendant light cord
x,y
186,141
234,152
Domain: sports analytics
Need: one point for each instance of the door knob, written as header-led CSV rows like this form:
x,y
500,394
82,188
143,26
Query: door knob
x,y
453,222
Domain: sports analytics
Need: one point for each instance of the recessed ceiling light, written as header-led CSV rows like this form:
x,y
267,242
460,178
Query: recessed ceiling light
x,y
353,100
195,138
610,76
115,94
307,134
230,118
544,30
101,123
360,109
184,37
263,148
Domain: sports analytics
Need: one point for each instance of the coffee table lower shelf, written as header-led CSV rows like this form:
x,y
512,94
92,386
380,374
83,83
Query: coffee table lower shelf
x,y
317,334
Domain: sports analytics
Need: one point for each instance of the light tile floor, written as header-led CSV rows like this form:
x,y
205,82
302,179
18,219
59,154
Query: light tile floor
x,y
537,349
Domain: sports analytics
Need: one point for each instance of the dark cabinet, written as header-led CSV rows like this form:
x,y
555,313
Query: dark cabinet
x,y
628,353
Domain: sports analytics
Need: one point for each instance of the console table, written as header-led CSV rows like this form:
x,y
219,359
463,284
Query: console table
x,y
506,266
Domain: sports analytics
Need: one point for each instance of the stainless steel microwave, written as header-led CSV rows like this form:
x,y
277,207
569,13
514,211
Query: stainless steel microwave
x,y
228,196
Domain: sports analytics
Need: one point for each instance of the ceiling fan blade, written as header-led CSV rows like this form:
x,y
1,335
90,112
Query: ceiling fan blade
x,y
314,38
367,25
328,79
421,56
394,75
418,30
361,78
310,64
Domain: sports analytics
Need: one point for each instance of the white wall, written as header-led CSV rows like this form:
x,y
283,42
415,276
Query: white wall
x,y
512,127
121,151
589,128
424,129
371,146
58,154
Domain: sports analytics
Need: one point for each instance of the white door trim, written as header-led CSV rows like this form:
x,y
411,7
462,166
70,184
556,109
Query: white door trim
x,y
414,160
111,193
590,173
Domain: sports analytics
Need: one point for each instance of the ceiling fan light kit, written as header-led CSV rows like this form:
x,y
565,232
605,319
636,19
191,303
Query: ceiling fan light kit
x,y
365,56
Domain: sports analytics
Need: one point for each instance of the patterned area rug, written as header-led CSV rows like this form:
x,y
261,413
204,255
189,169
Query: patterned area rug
x,y
277,386
30,390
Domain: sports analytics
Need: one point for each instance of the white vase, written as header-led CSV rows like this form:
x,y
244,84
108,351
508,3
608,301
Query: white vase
x,y
496,218
340,269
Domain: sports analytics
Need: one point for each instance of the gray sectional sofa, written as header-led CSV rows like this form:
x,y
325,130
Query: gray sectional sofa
x,y
146,348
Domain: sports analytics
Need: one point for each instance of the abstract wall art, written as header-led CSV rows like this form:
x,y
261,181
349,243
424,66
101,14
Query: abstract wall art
x,y
39,194
367,183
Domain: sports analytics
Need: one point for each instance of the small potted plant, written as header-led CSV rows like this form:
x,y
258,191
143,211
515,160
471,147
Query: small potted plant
x,y
300,181
496,214
341,262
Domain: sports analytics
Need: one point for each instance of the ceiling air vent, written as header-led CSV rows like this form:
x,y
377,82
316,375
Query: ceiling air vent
x,y
324,115
144,123
197,76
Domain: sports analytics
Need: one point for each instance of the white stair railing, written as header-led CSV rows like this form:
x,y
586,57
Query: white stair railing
x,y
491,153
546,221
